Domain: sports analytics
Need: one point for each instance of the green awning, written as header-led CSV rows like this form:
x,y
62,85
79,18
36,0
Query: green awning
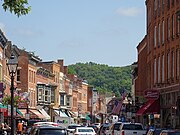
x,y
3,106
87,117
19,112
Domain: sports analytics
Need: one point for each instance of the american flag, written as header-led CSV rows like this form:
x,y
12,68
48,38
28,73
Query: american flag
x,y
115,106
119,106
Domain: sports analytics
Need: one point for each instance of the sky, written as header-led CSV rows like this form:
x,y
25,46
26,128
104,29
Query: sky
x,y
100,31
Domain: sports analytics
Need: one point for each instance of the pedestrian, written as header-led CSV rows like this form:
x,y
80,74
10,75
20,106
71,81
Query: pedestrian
x,y
3,129
19,128
8,128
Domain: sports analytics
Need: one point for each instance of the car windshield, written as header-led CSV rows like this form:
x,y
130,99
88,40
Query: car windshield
x,y
85,130
52,132
132,127
117,126
73,127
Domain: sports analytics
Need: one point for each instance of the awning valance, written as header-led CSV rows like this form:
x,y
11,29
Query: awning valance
x,y
151,107
60,113
37,114
43,112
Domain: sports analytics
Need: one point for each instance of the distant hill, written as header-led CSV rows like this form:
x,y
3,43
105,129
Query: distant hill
x,y
103,77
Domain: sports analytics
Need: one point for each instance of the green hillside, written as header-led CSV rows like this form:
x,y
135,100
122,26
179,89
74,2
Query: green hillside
x,y
103,77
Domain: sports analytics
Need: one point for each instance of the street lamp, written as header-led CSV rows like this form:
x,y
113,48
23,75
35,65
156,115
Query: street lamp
x,y
27,111
12,68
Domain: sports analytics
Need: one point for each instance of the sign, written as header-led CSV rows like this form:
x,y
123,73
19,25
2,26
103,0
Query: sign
x,y
27,116
151,94
1,92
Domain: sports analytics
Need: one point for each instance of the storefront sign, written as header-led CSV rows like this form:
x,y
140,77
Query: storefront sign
x,y
1,92
151,94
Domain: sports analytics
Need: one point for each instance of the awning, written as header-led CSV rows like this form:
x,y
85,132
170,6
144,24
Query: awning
x,y
47,117
60,113
37,114
87,117
151,107
3,108
18,113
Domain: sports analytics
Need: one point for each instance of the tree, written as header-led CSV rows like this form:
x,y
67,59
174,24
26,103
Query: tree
x,y
18,7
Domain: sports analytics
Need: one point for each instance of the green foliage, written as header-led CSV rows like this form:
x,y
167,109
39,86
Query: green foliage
x,y
103,77
7,100
18,7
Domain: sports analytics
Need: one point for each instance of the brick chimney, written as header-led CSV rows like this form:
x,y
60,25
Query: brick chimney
x,y
61,63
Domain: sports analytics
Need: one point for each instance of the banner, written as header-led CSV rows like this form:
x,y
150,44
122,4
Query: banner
x,y
1,92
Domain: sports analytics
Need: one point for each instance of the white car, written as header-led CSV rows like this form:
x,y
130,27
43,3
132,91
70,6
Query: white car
x,y
71,128
84,131
44,123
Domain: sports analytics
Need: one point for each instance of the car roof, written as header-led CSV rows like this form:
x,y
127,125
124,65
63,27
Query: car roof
x,y
84,128
50,127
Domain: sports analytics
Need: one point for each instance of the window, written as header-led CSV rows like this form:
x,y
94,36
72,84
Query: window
x,y
47,94
178,23
177,63
61,99
162,6
159,7
159,69
155,37
68,101
40,94
159,35
168,28
163,32
173,32
172,65
163,68
168,4
18,75
155,5
154,70
168,66
155,8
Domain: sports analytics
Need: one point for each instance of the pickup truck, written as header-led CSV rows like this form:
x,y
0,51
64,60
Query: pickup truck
x,y
131,129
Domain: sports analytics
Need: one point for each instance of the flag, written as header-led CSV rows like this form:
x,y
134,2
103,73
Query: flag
x,y
119,106
115,105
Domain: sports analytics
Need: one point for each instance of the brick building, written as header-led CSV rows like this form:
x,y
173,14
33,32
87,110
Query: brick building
x,y
162,53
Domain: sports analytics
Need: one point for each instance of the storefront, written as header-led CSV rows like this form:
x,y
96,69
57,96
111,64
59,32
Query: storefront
x,y
149,113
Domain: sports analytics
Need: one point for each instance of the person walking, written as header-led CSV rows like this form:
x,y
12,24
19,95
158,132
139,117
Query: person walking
x,y
19,128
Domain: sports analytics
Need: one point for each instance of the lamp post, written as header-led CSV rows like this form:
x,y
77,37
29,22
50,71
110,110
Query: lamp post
x,y
12,68
27,111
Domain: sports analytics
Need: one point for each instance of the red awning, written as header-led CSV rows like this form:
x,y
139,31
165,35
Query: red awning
x,y
151,107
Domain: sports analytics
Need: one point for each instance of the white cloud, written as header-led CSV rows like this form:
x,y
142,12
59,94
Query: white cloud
x,y
132,12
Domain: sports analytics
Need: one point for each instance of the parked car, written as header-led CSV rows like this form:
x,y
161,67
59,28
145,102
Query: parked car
x,y
45,124
170,132
71,128
116,128
84,131
48,130
127,128
156,131
104,127
94,127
